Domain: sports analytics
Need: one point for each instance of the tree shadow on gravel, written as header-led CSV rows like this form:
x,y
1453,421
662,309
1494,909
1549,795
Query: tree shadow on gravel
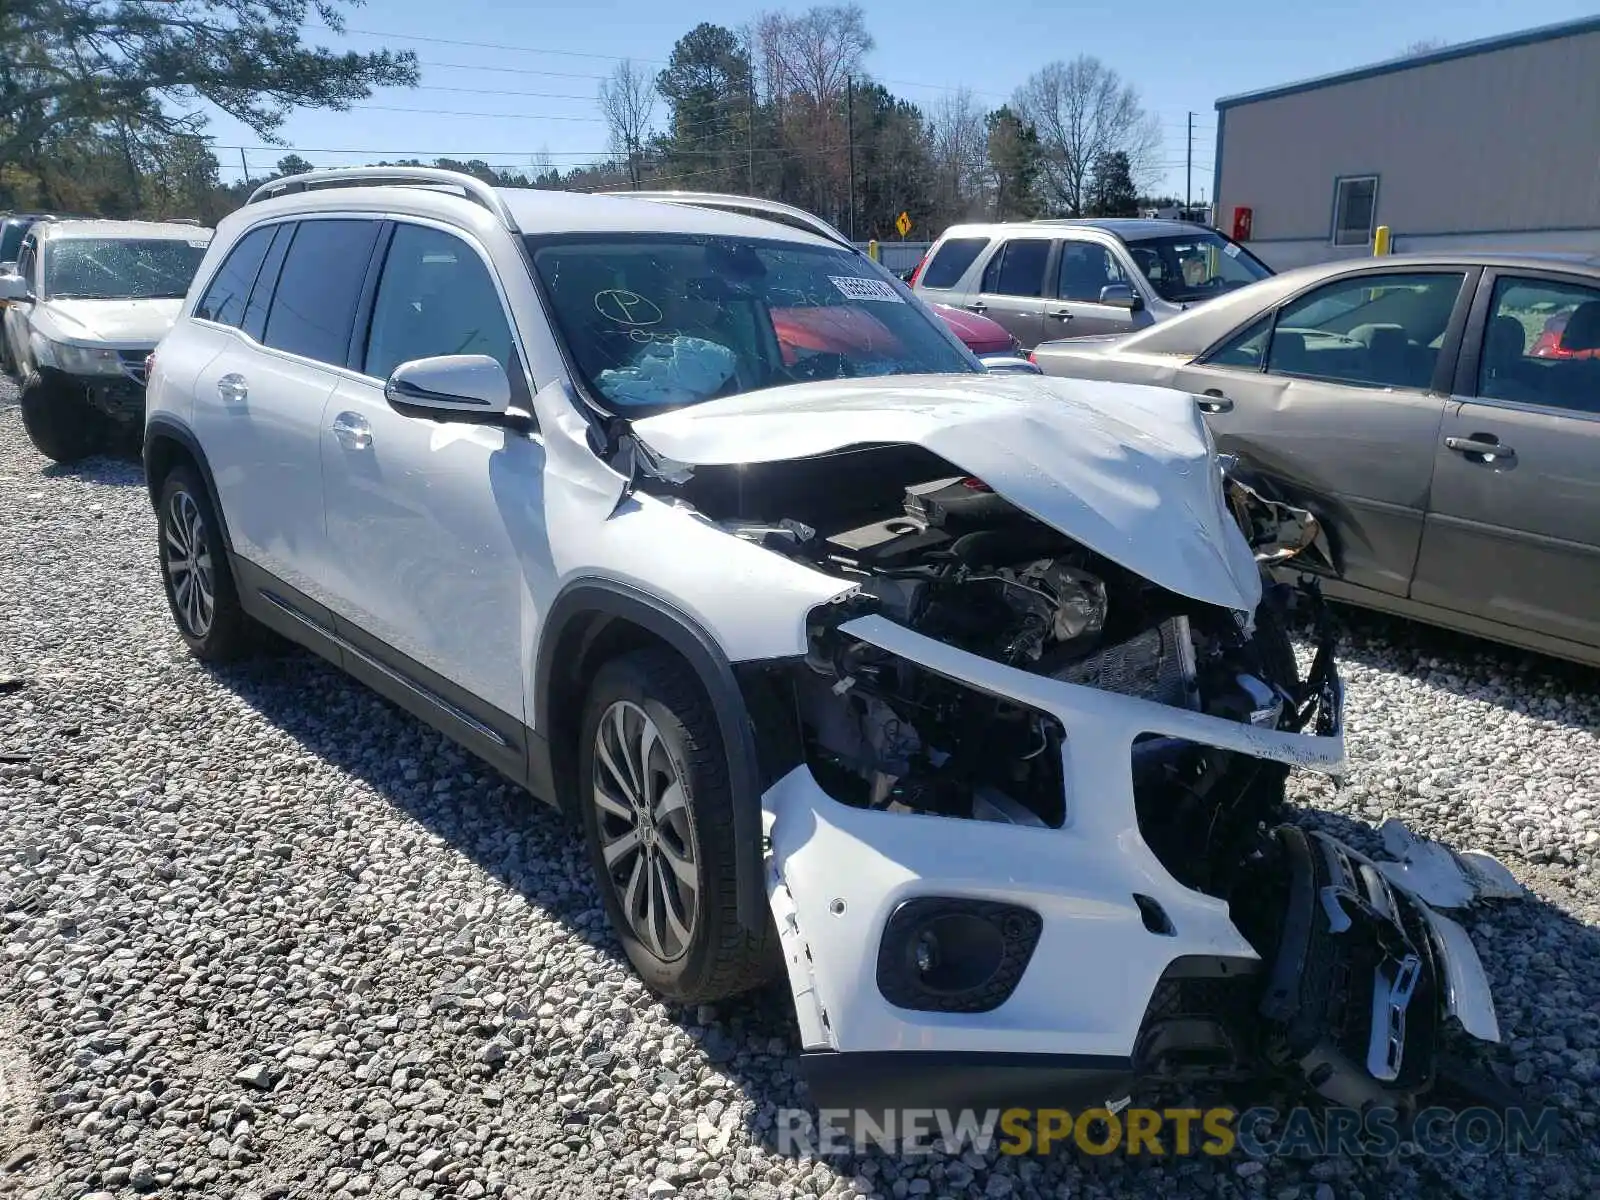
x,y
1521,681
752,1040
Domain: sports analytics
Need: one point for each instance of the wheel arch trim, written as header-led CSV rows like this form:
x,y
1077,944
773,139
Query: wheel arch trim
x,y
584,600
159,428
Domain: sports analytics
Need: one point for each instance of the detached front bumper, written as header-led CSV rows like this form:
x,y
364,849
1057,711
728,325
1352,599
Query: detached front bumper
x,y
1091,923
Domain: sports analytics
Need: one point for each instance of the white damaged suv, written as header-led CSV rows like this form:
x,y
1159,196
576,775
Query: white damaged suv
x,y
956,698
87,303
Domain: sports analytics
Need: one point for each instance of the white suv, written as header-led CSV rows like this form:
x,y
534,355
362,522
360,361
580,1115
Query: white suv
x,y
953,697
86,305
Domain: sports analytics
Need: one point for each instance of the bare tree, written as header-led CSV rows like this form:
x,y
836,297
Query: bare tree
x,y
815,53
627,102
1083,110
1424,46
959,143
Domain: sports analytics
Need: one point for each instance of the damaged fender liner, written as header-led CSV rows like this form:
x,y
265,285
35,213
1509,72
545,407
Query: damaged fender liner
x,y
954,1079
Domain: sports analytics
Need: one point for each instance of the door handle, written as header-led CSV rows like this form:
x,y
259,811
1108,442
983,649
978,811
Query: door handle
x,y
1488,447
232,389
1215,402
1059,314
978,306
352,431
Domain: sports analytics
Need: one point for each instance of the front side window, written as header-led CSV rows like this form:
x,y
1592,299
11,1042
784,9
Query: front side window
x,y
11,234
1086,269
1247,349
653,322
229,290
119,268
1355,210
313,308
1542,345
951,261
1195,266
1367,330
436,297
1017,269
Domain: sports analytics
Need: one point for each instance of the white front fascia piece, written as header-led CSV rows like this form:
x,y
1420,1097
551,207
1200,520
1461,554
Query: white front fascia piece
x,y
112,323
1127,471
836,873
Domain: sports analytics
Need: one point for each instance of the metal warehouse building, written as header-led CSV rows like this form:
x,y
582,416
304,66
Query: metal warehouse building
x,y
1492,144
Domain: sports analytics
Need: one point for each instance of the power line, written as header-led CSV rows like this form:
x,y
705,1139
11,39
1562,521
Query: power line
x,y
451,112
439,41
508,70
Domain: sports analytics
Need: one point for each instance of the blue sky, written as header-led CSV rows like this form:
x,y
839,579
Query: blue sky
x,y
527,80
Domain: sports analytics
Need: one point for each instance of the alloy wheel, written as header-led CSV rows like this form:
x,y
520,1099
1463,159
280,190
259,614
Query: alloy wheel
x,y
189,568
646,834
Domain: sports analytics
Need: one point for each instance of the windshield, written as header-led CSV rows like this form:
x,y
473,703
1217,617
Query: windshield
x,y
1195,266
120,268
660,321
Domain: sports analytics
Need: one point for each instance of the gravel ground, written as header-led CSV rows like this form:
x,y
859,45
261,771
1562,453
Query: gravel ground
x,y
265,936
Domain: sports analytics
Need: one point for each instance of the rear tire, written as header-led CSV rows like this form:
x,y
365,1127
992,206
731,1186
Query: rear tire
x,y
60,422
657,809
196,573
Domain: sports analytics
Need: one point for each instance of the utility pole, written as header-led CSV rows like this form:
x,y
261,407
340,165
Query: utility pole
x,y
750,125
1188,171
244,166
850,137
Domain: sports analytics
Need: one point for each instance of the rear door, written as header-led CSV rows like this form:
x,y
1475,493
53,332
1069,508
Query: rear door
x,y
1012,288
1338,395
258,403
1084,270
1513,527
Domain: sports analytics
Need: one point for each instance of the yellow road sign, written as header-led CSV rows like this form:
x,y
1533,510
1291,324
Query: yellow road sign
x,y
903,223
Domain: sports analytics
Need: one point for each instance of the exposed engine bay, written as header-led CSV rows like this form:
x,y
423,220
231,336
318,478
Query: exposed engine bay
x,y
1331,967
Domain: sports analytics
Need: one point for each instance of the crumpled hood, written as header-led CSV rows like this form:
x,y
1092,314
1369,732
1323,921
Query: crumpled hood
x,y
1124,469
132,323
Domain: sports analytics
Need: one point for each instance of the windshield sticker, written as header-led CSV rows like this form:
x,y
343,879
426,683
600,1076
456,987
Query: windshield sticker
x,y
852,288
626,308
199,243
1231,250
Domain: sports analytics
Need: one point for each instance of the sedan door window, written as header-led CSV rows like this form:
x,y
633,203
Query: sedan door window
x,y
1542,345
1367,331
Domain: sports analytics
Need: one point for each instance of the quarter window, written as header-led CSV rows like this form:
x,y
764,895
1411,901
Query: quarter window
x,y
1017,269
229,291
1367,330
1246,349
1542,345
435,297
1355,209
951,261
314,305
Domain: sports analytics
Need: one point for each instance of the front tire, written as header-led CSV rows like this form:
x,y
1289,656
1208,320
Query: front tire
x,y
196,573
657,806
61,423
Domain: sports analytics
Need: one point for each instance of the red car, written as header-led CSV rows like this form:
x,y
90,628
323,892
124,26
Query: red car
x,y
1549,342
844,330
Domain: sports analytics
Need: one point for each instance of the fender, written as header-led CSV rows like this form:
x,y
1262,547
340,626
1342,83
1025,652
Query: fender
x,y
587,598
161,427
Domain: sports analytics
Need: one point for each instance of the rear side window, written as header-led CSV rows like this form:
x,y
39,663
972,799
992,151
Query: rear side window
x,y
1018,269
229,291
255,313
313,308
950,262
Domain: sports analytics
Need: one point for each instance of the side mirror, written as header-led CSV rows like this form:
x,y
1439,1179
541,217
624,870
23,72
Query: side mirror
x,y
1120,295
12,285
451,387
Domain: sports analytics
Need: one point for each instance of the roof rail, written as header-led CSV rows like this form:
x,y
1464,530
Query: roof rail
x,y
752,206
471,186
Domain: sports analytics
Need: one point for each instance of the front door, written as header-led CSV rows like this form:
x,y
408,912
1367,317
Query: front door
x,y
1339,398
425,518
1513,529
1084,270
1012,290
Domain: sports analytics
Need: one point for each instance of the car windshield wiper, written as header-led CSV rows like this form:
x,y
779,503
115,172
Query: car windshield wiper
x,y
84,296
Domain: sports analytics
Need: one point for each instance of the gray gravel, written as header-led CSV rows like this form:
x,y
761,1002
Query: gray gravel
x,y
264,936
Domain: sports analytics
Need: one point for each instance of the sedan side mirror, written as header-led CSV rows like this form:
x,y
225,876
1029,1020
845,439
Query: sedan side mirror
x,y
1008,364
1120,295
451,387
12,285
